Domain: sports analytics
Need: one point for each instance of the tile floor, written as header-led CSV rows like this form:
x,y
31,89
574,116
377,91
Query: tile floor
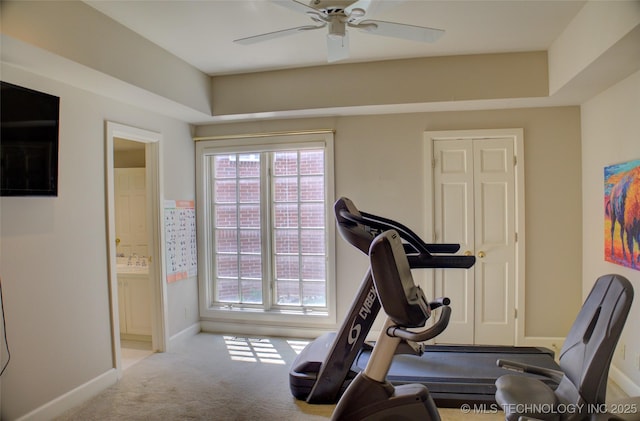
x,y
133,352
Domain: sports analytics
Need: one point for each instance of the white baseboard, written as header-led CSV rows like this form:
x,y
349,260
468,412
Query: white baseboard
x,y
261,330
180,337
626,384
73,398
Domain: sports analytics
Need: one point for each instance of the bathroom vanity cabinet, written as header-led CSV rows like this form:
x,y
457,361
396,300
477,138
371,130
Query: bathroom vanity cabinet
x,y
134,303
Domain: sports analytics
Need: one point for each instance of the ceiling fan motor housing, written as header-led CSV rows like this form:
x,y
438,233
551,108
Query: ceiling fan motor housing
x,y
337,27
331,5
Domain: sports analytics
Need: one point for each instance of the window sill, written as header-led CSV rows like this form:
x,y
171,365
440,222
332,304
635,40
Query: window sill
x,y
279,317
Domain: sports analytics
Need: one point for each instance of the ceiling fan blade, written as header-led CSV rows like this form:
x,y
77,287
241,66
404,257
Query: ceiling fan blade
x,y
337,48
363,9
299,7
276,34
400,30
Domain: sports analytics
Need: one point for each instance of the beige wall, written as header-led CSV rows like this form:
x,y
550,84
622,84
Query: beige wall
x,y
610,135
53,252
379,163
595,33
410,81
78,32
62,299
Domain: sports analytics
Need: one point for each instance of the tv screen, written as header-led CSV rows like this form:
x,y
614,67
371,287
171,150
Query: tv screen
x,y
28,142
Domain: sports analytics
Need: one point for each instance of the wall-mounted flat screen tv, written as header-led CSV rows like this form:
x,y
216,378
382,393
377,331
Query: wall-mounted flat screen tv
x,y
29,123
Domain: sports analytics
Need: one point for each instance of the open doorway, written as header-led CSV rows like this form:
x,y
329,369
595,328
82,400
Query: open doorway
x,y
132,250
134,228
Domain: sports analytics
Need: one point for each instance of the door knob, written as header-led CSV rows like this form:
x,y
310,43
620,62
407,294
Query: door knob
x,y
481,254
468,253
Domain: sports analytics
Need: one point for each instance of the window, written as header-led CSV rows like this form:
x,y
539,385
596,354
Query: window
x,y
266,225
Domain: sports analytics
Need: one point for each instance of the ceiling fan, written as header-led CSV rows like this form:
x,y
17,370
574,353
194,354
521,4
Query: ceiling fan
x,y
337,15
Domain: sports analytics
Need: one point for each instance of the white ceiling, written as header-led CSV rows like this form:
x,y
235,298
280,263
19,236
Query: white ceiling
x,y
202,32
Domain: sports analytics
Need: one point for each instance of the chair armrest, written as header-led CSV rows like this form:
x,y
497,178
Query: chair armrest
x,y
554,375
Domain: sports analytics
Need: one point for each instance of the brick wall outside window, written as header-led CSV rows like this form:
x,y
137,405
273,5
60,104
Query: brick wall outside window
x,y
296,235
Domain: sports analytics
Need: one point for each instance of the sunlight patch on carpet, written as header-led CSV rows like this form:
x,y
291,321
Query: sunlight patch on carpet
x,y
253,350
297,345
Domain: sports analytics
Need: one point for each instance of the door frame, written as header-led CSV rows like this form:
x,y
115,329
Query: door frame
x,y
153,174
517,135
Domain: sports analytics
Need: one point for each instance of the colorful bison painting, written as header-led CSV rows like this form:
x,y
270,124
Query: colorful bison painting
x,y
622,214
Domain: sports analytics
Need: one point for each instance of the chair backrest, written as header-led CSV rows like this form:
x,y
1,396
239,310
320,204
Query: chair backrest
x,y
588,349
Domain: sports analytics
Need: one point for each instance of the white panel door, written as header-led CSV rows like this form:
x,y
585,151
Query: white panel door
x,y
130,203
494,187
453,213
474,205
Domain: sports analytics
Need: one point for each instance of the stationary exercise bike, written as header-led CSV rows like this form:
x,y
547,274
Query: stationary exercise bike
x,y
370,396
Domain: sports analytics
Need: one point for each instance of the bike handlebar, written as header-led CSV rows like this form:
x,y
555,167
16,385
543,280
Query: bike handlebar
x,y
425,335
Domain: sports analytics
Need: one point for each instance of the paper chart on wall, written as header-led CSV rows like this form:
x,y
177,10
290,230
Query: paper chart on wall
x,y
180,239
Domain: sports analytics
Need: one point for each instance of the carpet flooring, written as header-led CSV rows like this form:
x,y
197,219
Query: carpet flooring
x,y
215,377
218,377
228,378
